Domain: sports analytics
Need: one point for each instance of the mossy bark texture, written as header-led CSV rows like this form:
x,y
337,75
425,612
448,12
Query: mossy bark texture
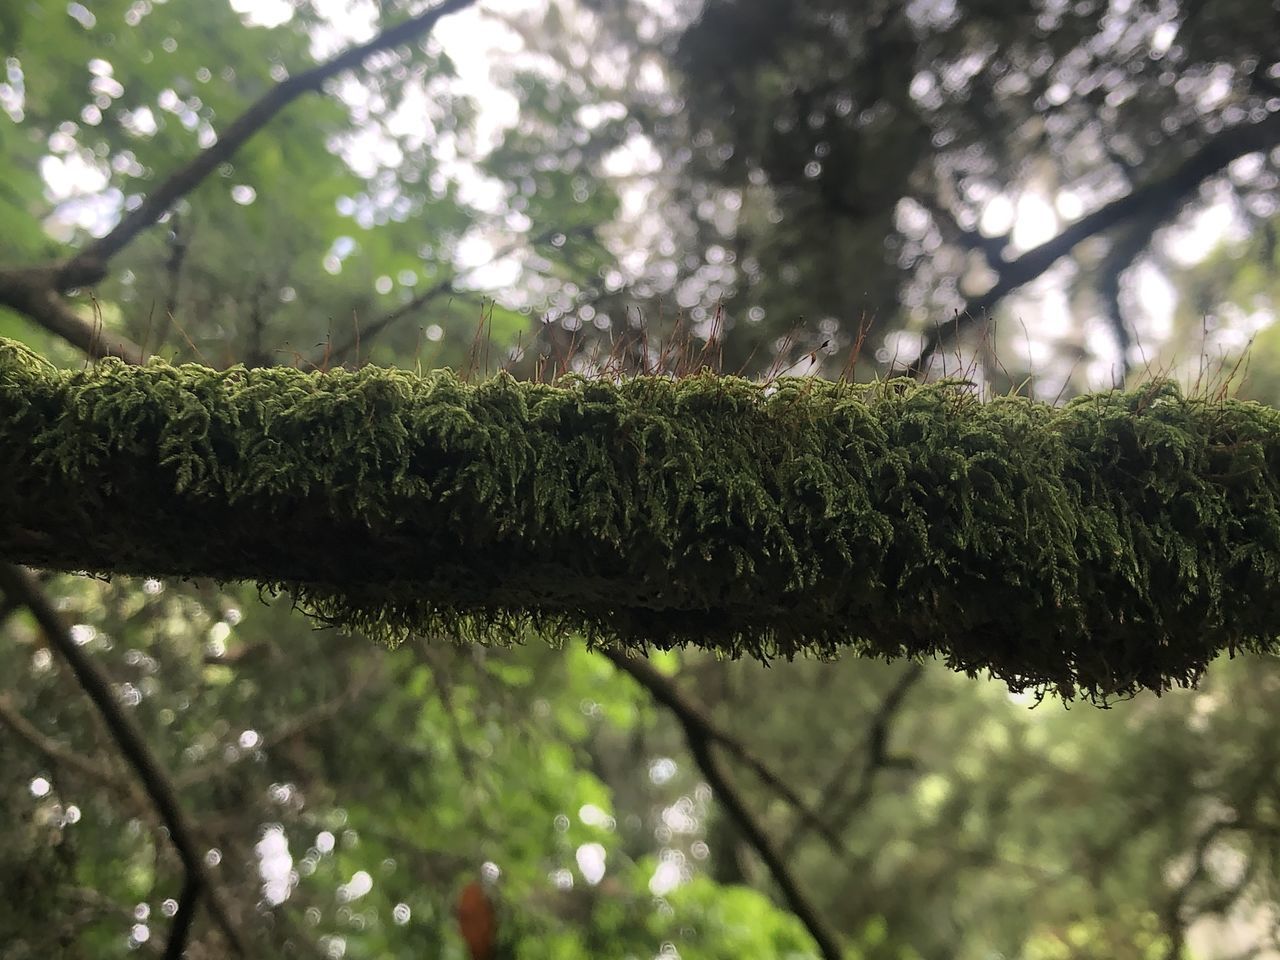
x,y
1116,543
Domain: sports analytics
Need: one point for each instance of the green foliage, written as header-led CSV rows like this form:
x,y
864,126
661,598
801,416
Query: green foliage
x,y
965,826
288,244
259,721
1120,542
730,922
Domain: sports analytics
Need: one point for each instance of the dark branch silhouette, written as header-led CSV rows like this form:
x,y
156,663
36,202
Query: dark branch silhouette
x,y
180,929
54,752
89,265
701,734
875,757
317,715
332,356
1157,202
20,585
37,291
670,696
350,348
32,291
1126,248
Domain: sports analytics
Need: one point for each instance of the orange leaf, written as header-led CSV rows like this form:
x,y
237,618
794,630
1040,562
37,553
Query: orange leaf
x,y
478,921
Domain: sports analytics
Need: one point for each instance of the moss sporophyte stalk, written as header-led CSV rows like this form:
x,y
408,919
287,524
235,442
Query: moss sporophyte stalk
x,y
1118,542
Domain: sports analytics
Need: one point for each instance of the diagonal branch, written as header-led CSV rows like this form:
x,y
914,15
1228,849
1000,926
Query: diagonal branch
x,y
55,752
701,735
692,714
22,586
336,356
89,265
320,714
1159,200
37,291
32,291
876,757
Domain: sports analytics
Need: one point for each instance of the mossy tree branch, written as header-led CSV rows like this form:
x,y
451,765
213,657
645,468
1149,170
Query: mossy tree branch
x,y
1120,542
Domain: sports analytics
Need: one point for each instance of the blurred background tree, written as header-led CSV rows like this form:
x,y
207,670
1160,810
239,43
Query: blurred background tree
x,y
1058,196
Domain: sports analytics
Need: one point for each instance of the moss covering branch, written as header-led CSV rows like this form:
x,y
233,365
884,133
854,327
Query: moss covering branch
x,y
1120,542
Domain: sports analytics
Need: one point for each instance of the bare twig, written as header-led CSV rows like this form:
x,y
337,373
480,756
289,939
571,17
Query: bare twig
x,y
461,750
319,714
19,584
339,354
334,355
94,904
179,244
700,736
53,751
875,757
670,696
1159,200
878,756
89,265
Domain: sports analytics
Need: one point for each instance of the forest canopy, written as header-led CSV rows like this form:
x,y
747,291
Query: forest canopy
x,y
718,230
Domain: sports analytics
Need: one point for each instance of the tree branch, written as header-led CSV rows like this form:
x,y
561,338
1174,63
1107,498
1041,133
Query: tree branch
x,y
1159,200
1124,251
52,750
94,905
334,356
32,291
876,758
338,355
690,713
701,734
37,292
180,929
21,585
321,713
89,265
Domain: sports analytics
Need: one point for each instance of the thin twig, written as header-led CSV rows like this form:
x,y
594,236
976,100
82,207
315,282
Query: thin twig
x,y
320,713
336,355
52,750
875,757
461,750
671,697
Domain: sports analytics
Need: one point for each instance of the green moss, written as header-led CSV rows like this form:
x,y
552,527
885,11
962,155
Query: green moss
x,y
1120,542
